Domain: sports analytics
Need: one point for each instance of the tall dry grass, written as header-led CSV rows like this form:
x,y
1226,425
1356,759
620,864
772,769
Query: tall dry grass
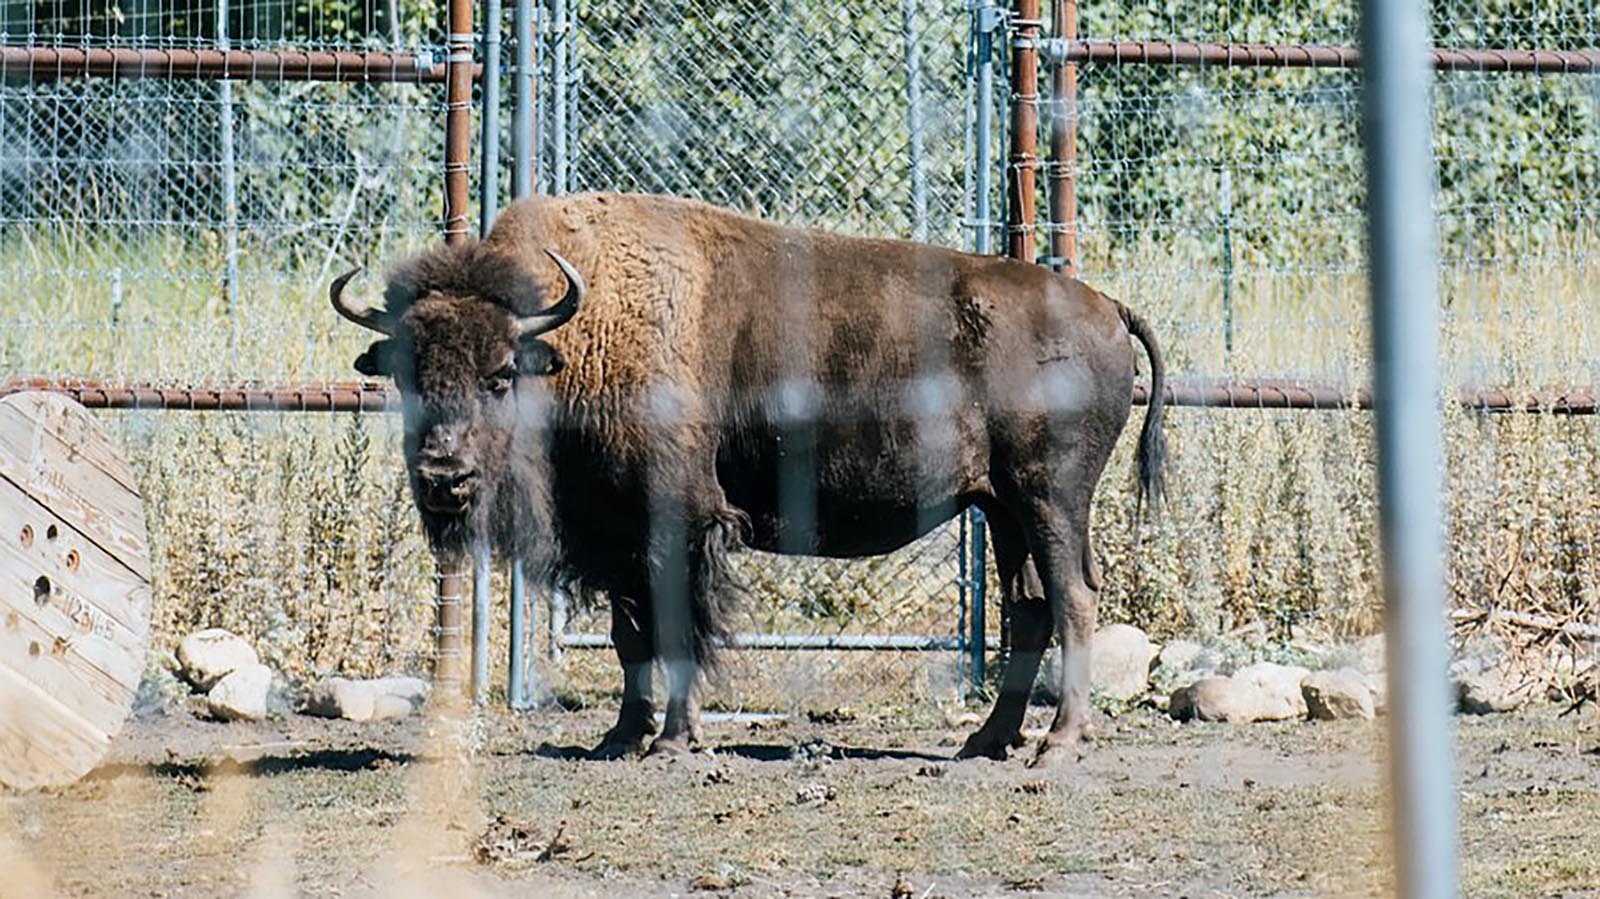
x,y
296,529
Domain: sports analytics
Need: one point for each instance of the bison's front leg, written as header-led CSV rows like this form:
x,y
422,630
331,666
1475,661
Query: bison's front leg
x,y
630,633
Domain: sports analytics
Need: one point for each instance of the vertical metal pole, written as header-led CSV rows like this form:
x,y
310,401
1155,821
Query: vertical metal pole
x,y
230,177
986,22
458,120
1398,120
489,177
1064,146
480,624
447,673
523,145
914,120
558,111
1024,164
574,90
1227,262
516,671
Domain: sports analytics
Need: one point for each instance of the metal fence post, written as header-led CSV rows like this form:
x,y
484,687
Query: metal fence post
x,y
1396,98
558,102
524,87
1022,174
458,120
489,178
230,177
1227,263
447,674
1064,146
914,121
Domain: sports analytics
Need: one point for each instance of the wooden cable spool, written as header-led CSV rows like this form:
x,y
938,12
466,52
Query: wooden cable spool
x,y
74,590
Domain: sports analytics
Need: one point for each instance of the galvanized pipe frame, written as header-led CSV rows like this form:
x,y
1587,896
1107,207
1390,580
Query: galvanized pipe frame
x,y
55,63
1068,50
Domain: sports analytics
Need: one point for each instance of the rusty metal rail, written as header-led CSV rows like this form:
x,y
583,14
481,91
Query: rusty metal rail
x,y
1304,56
373,396
53,63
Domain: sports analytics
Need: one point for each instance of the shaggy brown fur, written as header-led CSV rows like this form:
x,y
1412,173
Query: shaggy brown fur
x,y
730,381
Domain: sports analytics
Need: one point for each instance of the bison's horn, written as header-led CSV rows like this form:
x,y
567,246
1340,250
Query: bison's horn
x,y
366,318
560,313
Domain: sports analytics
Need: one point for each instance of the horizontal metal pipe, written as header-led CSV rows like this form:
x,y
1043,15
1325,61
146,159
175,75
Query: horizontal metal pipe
x,y
858,642
362,396
1058,51
51,63
309,397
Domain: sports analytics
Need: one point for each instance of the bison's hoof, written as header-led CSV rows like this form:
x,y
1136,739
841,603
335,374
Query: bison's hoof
x,y
984,745
611,749
1056,750
671,747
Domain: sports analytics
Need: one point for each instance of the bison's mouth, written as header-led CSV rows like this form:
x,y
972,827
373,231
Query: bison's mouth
x,y
449,495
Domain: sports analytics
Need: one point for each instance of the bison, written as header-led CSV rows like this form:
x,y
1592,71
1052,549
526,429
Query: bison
x,y
623,389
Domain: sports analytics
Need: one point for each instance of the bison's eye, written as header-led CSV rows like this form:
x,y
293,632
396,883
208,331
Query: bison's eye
x,y
499,383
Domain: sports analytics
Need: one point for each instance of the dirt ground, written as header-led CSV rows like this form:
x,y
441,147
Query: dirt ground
x,y
809,806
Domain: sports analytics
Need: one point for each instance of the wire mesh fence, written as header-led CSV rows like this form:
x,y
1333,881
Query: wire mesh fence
x,y
183,231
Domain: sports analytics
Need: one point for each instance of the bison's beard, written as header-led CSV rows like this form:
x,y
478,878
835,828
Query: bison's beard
x,y
510,515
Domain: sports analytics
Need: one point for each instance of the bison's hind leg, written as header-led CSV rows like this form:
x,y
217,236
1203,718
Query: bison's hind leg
x,y
1031,626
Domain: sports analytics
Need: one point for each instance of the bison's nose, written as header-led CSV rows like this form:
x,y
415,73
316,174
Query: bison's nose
x,y
447,488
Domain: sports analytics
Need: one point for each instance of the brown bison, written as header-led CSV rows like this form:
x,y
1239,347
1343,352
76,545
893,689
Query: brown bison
x,y
683,381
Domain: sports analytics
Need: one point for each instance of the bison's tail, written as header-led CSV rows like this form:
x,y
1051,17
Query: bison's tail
x,y
1152,442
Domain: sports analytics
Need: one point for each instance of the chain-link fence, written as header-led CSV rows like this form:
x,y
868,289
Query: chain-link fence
x,y
1226,200
182,229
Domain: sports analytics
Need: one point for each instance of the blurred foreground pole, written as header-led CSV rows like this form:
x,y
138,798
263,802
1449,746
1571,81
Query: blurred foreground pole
x,y
482,571
520,685
987,20
1394,48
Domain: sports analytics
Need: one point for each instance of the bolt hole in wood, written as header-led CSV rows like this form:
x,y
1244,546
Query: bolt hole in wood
x,y
50,533
26,538
72,560
41,590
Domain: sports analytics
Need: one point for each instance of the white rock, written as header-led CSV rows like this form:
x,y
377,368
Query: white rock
x,y
206,657
1180,656
1119,663
366,700
241,695
1331,695
1279,685
1216,699
1491,690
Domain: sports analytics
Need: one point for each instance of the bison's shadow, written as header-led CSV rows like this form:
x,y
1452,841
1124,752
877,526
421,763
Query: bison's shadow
x,y
765,752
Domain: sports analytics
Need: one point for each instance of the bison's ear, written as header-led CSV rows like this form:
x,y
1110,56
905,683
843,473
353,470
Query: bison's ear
x,y
537,358
378,360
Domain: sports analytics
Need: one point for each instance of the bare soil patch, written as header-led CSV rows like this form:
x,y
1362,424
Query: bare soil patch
x,y
797,807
